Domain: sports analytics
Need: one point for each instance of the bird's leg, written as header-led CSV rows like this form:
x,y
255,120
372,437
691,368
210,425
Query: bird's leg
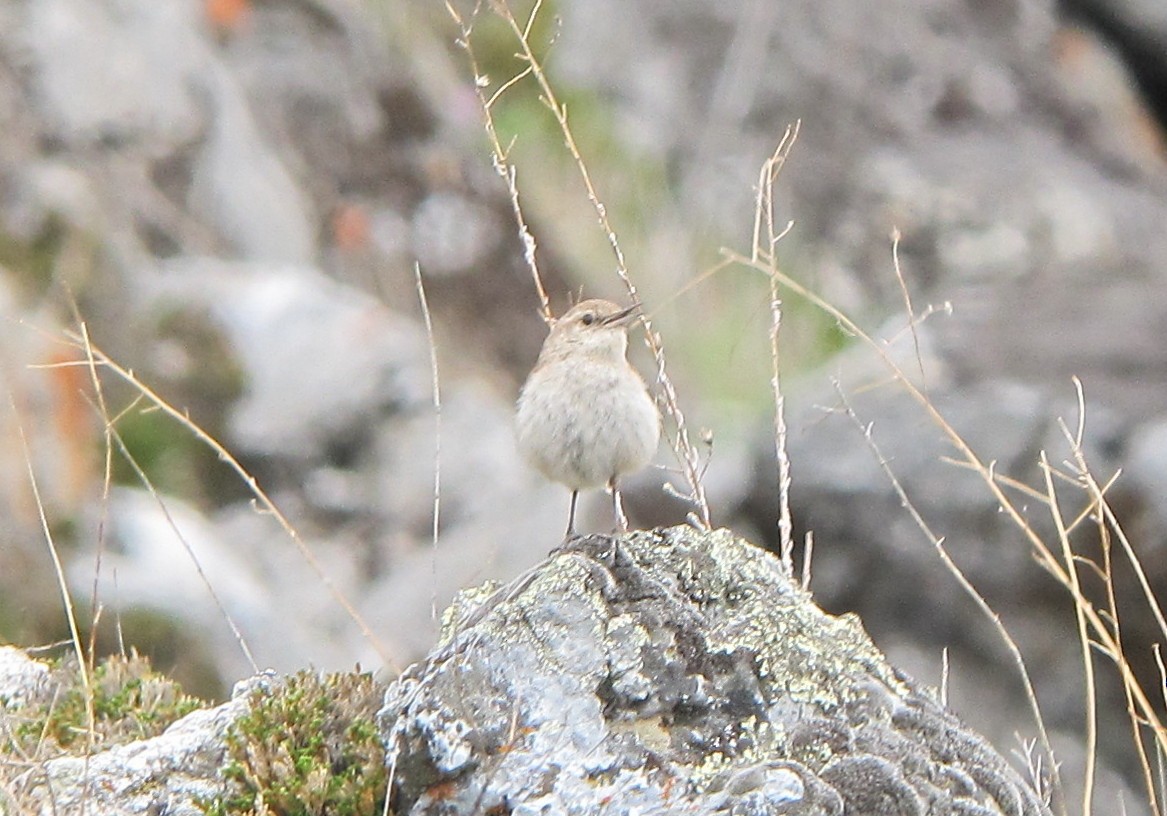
x,y
618,507
571,517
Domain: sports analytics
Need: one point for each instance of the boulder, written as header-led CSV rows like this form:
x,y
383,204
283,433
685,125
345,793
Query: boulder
x,y
675,671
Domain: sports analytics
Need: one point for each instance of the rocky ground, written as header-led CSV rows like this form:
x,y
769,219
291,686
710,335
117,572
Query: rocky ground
x,y
233,197
665,672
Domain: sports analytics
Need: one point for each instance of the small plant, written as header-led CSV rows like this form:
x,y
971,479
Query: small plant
x,y
308,747
130,702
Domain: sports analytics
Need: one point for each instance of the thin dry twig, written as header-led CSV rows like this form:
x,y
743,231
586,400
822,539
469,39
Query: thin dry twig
x,y
1133,719
1157,651
764,214
264,501
106,480
186,545
499,155
967,585
62,583
437,399
807,556
1032,760
1097,506
944,668
1083,639
907,295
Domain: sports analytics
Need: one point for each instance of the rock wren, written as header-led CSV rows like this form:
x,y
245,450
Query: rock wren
x,y
584,415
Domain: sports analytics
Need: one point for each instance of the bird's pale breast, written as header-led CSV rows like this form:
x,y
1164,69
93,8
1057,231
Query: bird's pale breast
x,y
585,422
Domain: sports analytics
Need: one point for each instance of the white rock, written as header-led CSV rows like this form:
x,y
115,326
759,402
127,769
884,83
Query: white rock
x,y
120,69
241,188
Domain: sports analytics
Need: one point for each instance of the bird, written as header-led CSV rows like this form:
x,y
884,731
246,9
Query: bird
x,y
584,417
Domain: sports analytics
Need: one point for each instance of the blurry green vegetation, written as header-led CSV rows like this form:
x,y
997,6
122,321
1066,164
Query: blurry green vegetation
x,y
727,356
33,261
308,747
174,460
27,612
54,258
204,381
169,644
166,452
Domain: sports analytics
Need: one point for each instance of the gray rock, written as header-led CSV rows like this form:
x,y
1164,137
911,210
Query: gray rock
x,y
170,773
319,358
23,681
115,71
242,188
453,232
1139,25
674,672
1147,465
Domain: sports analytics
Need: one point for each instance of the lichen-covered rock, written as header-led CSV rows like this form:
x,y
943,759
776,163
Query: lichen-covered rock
x,y
674,671
303,744
144,754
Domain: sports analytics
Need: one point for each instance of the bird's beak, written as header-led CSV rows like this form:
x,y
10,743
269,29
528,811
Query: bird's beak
x,y
624,317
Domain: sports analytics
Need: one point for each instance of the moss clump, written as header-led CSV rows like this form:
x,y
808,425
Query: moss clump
x,y
308,747
130,702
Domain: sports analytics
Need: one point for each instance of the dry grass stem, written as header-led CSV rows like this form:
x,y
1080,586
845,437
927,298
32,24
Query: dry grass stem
x,y
967,585
1083,640
437,399
260,496
170,522
499,155
106,480
1133,719
764,216
1105,523
807,558
944,668
62,583
1032,760
908,310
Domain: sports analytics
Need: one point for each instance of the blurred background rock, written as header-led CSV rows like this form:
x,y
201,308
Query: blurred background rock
x,y
233,194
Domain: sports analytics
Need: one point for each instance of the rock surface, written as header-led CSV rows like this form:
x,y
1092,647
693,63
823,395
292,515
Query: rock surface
x,y
168,773
675,672
659,672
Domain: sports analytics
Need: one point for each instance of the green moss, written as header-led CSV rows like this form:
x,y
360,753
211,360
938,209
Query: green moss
x,y
198,373
162,448
130,702
34,260
309,747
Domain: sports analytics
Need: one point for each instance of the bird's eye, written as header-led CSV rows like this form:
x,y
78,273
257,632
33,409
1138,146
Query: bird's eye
x,y
587,318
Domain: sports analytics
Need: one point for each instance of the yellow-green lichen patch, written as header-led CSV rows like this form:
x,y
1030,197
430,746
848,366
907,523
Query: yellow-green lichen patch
x,y
307,747
811,656
464,605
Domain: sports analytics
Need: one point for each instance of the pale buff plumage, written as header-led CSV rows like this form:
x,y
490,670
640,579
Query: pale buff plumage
x,y
584,415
